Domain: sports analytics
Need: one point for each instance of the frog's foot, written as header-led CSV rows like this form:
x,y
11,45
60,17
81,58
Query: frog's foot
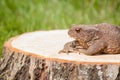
x,y
64,51
68,51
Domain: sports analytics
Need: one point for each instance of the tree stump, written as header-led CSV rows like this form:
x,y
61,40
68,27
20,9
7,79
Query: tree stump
x,y
34,56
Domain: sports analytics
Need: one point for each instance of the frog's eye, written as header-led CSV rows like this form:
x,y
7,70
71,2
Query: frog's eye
x,y
77,30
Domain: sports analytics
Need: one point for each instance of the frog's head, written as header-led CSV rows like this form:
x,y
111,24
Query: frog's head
x,y
84,33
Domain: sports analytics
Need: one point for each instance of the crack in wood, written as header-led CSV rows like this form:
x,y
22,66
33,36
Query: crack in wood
x,y
7,66
23,73
39,71
118,76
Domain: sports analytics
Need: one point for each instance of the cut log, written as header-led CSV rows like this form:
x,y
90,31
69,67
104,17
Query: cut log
x,y
34,56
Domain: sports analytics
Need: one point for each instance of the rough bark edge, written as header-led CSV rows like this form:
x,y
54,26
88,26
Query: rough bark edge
x,y
18,66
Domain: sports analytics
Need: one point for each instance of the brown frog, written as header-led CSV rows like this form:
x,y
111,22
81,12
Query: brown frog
x,y
94,39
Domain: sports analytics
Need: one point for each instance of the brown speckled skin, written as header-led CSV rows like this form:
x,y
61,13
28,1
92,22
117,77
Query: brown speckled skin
x,y
95,39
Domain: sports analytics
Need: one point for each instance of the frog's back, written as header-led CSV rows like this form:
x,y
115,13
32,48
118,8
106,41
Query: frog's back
x,y
108,28
111,35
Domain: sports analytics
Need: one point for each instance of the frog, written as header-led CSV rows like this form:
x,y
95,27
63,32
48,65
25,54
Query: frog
x,y
102,38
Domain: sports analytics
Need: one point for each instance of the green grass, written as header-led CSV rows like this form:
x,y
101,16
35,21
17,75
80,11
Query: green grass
x,y
19,16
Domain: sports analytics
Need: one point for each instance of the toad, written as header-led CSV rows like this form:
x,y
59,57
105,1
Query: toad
x,y
93,39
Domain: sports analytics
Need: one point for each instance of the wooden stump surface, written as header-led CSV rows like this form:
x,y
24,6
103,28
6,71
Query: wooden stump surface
x,y
34,56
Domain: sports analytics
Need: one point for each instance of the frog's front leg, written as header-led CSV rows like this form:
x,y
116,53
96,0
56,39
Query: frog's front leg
x,y
95,48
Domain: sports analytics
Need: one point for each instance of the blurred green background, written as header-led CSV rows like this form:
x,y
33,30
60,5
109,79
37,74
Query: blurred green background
x,y
19,16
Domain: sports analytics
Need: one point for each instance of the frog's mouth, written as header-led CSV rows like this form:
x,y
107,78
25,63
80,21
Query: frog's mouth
x,y
73,35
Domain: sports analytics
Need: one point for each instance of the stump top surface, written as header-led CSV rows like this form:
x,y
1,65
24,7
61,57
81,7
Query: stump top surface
x,y
48,43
